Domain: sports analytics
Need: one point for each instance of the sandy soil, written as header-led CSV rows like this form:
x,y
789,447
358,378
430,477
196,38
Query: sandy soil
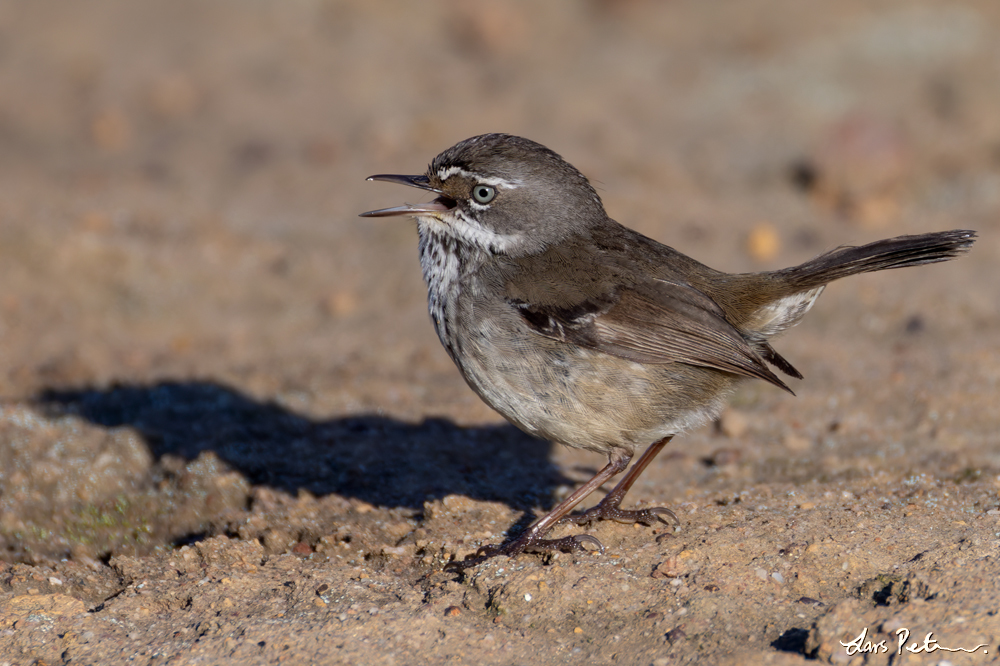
x,y
228,432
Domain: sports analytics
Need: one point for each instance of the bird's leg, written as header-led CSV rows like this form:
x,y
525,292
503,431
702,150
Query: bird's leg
x,y
609,508
532,539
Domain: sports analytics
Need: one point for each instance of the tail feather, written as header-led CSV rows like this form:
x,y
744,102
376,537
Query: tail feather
x,y
899,252
797,287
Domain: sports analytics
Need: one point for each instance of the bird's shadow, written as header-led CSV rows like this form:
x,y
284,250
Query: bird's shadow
x,y
382,461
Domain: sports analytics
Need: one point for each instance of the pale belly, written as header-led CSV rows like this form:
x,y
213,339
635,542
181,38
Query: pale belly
x,y
584,398
555,390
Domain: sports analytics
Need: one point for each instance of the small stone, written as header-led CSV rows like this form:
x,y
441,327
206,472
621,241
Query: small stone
x,y
174,95
733,424
811,602
763,243
668,568
340,303
795,442
724,457
676,634
362,507
111,130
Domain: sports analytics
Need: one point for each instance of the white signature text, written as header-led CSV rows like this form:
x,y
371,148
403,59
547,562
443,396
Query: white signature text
x,y
860,644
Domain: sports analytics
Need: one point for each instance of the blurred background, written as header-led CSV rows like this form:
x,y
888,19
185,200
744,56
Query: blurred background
x,y
181,182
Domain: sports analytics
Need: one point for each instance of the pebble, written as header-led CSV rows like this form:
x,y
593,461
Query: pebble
x,y
763,243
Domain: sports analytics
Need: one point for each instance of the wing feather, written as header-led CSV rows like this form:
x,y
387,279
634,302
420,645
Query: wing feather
x,y
655,321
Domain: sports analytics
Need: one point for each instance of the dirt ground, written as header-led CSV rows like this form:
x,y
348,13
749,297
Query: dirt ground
x,y
228,431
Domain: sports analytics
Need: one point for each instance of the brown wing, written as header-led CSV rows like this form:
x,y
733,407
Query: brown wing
x,y
654,321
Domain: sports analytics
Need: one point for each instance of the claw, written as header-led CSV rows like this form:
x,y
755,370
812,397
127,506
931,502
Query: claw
x,y
570,544
613,511
490,550
586,538
577,544
466,563
532,540
660,511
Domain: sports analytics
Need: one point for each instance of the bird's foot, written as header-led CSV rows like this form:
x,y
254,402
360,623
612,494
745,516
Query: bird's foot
x,y
610,509
531,542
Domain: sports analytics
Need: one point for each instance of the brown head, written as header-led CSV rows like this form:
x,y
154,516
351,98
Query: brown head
x,y
503,194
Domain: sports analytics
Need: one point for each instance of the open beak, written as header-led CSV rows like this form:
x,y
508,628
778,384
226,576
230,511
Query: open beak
x,y
441,204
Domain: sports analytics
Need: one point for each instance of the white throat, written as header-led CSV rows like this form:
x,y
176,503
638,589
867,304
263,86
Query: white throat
x,y
466,230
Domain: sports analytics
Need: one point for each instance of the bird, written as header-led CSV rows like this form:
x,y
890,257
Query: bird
x,y
584,332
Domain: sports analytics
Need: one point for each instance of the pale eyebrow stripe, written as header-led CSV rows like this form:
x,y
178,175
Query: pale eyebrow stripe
x,y
444,174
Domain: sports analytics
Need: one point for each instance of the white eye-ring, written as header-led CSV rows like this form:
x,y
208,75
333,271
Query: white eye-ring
x,y
483,193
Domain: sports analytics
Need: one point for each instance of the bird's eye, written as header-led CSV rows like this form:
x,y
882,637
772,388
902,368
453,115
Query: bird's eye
x,y
483,193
